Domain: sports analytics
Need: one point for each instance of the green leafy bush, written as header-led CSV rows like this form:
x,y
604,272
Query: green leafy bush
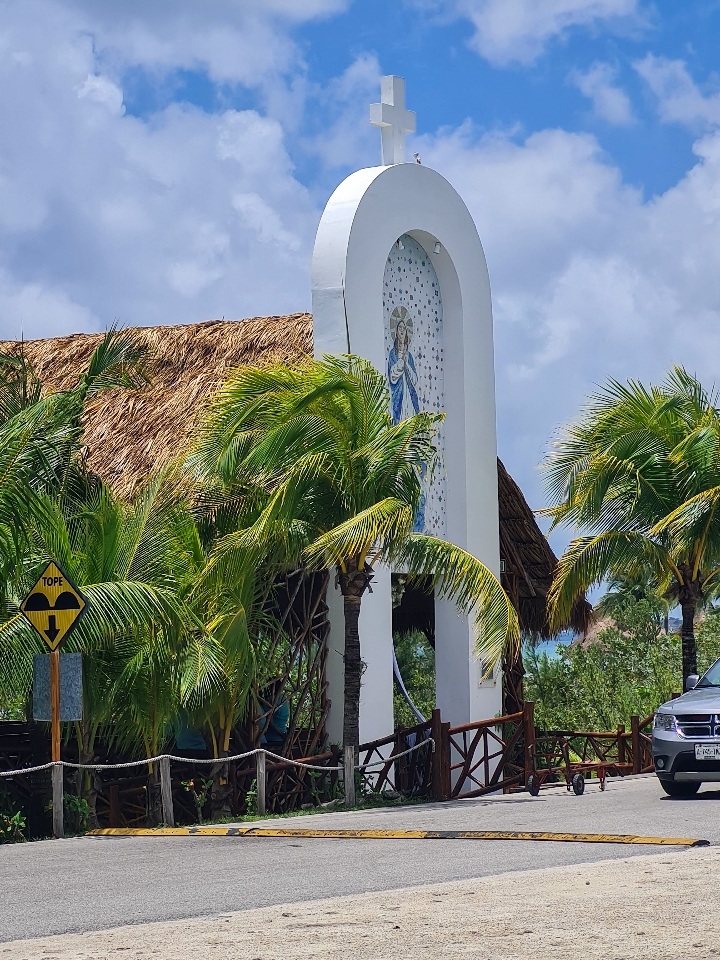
x,y
199,789
77,811
416,659
12,820
631,669
707,635
11,827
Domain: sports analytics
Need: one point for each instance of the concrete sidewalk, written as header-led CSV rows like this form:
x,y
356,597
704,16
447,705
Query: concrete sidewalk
x,y
661,907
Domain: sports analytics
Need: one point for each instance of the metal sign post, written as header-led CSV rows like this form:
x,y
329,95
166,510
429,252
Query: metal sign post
x,y
58,784
54,606
55,704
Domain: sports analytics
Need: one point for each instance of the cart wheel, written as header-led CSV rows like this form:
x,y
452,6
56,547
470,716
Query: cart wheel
x,y
578,784
533,785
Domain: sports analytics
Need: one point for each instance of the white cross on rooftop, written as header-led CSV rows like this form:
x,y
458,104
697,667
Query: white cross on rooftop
x,y
393,119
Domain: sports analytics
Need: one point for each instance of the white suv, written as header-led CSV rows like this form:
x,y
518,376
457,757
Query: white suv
x,y
686,736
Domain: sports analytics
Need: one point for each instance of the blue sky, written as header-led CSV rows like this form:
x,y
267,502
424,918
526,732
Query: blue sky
x,y
451,83
167,161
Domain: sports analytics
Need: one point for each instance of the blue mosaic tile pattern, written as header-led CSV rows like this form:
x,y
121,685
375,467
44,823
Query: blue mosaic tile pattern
x,y
412,307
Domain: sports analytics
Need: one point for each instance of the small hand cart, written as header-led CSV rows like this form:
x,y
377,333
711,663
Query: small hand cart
x,y
558,765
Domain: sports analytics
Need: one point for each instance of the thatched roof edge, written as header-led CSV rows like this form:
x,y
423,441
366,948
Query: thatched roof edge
x,y
529,562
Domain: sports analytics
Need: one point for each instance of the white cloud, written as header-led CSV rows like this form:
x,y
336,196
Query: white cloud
x,y
27,308
104,91
241,41
589,280
519,30
345,135
188,215
102,215
679,99
266,223
609,101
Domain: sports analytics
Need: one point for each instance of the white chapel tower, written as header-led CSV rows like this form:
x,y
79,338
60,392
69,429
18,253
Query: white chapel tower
x,y
399,277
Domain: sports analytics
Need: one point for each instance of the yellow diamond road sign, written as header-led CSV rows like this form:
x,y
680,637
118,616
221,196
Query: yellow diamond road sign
x,y
53,606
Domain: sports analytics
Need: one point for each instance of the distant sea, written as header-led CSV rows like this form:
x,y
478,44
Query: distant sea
x,y
567,636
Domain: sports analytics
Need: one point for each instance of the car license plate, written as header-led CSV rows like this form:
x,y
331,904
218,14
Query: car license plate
x,y
707,751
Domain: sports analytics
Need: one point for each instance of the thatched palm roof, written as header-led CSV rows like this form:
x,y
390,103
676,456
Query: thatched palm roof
x,y
129,434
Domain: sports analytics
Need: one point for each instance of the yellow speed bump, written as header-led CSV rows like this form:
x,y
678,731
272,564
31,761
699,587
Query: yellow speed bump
x,y
399,835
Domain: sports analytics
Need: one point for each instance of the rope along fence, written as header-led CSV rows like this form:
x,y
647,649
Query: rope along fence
x,y
348,768
429,761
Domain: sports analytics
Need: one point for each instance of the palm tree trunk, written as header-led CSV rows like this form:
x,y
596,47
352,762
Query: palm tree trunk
x,y
221,793
689,595
353,672
153,799
689,652
353,584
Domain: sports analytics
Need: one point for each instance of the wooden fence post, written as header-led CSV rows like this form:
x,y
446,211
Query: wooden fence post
x,y
636,748
349,776
437,755
58,801
529,738
622,754
166,793
260,781
446,761
400,784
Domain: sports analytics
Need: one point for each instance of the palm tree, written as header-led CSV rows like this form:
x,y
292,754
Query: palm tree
x,y
335,484
640,471
624,589
146,652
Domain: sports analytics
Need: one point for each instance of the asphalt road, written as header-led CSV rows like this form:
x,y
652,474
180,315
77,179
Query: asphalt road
x,y
93,883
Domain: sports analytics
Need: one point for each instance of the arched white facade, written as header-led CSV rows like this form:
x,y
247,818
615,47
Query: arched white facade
x,y
362,222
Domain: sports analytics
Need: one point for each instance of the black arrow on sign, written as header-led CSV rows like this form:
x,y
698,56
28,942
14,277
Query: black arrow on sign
x,y
52,631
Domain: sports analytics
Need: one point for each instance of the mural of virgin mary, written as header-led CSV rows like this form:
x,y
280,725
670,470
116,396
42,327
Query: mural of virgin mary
x,y
403,380
402,375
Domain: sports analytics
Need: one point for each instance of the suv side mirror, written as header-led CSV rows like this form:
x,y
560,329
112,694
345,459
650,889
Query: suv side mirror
x,y
692,681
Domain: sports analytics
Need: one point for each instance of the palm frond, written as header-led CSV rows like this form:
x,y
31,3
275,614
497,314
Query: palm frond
x,y
589,560
459,576
118,362
383,522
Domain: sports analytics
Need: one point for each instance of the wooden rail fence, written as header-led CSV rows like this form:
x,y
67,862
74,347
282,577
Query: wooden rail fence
x,y
501,753
448,763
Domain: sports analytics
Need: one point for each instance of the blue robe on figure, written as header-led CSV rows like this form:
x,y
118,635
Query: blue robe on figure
x,y
399,383
404,403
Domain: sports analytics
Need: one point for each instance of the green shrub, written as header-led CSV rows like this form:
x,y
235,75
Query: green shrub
x,y
416,659
631,669
707,636
12,819
11,827
76,813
